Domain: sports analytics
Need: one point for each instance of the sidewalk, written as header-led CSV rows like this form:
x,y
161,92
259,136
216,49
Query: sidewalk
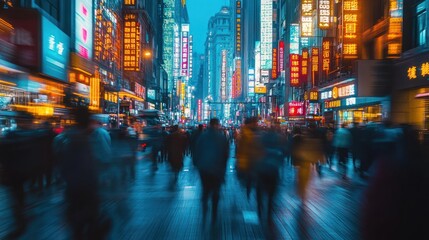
x,y
151,208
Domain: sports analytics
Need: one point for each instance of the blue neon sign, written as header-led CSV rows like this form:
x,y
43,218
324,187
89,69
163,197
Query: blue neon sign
x,y
55,50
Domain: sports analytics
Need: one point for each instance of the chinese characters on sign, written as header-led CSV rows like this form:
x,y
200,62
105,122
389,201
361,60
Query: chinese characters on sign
x,y
176,51
304,65
266,33
324,14
274,70
238,28
294,38
350,27
314,65
306,18
314,95
84,28
394,36
236,85
131,43
294,62
281,55
296,108
223,77
185,50
326,54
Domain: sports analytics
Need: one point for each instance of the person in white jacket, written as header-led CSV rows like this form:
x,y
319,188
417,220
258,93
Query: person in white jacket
x,y
342,142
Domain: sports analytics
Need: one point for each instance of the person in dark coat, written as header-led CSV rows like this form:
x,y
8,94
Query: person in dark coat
x,y
176,146
211,156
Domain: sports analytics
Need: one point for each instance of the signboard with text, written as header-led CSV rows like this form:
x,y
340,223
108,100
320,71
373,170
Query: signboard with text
x,y
295,68
296,108
350,29
84,28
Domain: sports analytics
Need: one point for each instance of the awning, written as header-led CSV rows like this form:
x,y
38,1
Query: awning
x,y
127,93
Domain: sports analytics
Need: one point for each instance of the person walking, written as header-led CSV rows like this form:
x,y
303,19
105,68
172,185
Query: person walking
x,y
211,156
176,146
342,142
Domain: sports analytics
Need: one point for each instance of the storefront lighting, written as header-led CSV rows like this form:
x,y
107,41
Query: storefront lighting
x,y
7,83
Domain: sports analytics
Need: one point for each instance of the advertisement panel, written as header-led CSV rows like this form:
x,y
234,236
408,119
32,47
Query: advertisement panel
x,y
281,55
238,28
260,89
295,68
296,109
55,50
237,81
324,14
307,18
176,51
266,33
139,90
394,36
84,28
294,38
185,50
315,65
199,109
151,94
223,76
350,28
304,65
274,69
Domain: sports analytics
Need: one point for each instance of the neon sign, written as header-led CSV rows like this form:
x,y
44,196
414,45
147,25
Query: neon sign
x,y
294,62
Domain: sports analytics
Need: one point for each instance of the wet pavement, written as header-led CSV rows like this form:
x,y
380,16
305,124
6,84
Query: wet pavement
x,y
152,207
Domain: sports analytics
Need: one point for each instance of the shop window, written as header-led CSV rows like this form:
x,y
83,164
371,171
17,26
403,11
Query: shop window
x,y
421,24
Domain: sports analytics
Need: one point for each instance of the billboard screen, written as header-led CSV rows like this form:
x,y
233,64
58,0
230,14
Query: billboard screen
x,y
84,28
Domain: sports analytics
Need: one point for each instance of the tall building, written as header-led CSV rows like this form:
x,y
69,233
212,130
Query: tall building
x,y
168,38
219,52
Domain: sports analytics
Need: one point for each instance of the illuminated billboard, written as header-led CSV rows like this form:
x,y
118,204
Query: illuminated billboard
x,y
295,68
191,50
238,28
185,50
223,76
296,108
274,69
84,28
281,55
266,33
326,54
131,43
324,14
307,18
55,50
350,29
394,36
304,64
237,81
176,51
315,65
294,38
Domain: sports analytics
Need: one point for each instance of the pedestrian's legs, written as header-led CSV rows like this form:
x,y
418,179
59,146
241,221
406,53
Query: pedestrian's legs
x,y
215,200
342,158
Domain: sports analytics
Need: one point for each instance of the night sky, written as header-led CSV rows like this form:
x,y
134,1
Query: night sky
x,y
200,12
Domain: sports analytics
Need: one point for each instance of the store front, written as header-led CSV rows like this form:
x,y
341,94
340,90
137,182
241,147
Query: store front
x,y
342,104
410,101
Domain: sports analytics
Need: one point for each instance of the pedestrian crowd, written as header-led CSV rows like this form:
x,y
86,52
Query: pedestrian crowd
x,y
86,158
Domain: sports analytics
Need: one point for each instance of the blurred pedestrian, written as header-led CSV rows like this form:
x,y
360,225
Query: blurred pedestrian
x,y
268,170
176,147
194,139
248,152
75,151
342,142
211,156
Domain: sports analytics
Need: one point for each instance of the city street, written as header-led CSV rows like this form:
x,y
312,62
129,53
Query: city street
x,y
150,207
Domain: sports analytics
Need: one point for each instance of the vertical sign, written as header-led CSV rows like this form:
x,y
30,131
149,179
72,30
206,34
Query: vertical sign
x,y
185,50
294,63
281,55
266,33
274,69
199,110
223,77
326,55
84,28
131,43
190,56
394,36
304,65
350,27
307,18
176,52
324,14
294,38
314,65
238,28
238,80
